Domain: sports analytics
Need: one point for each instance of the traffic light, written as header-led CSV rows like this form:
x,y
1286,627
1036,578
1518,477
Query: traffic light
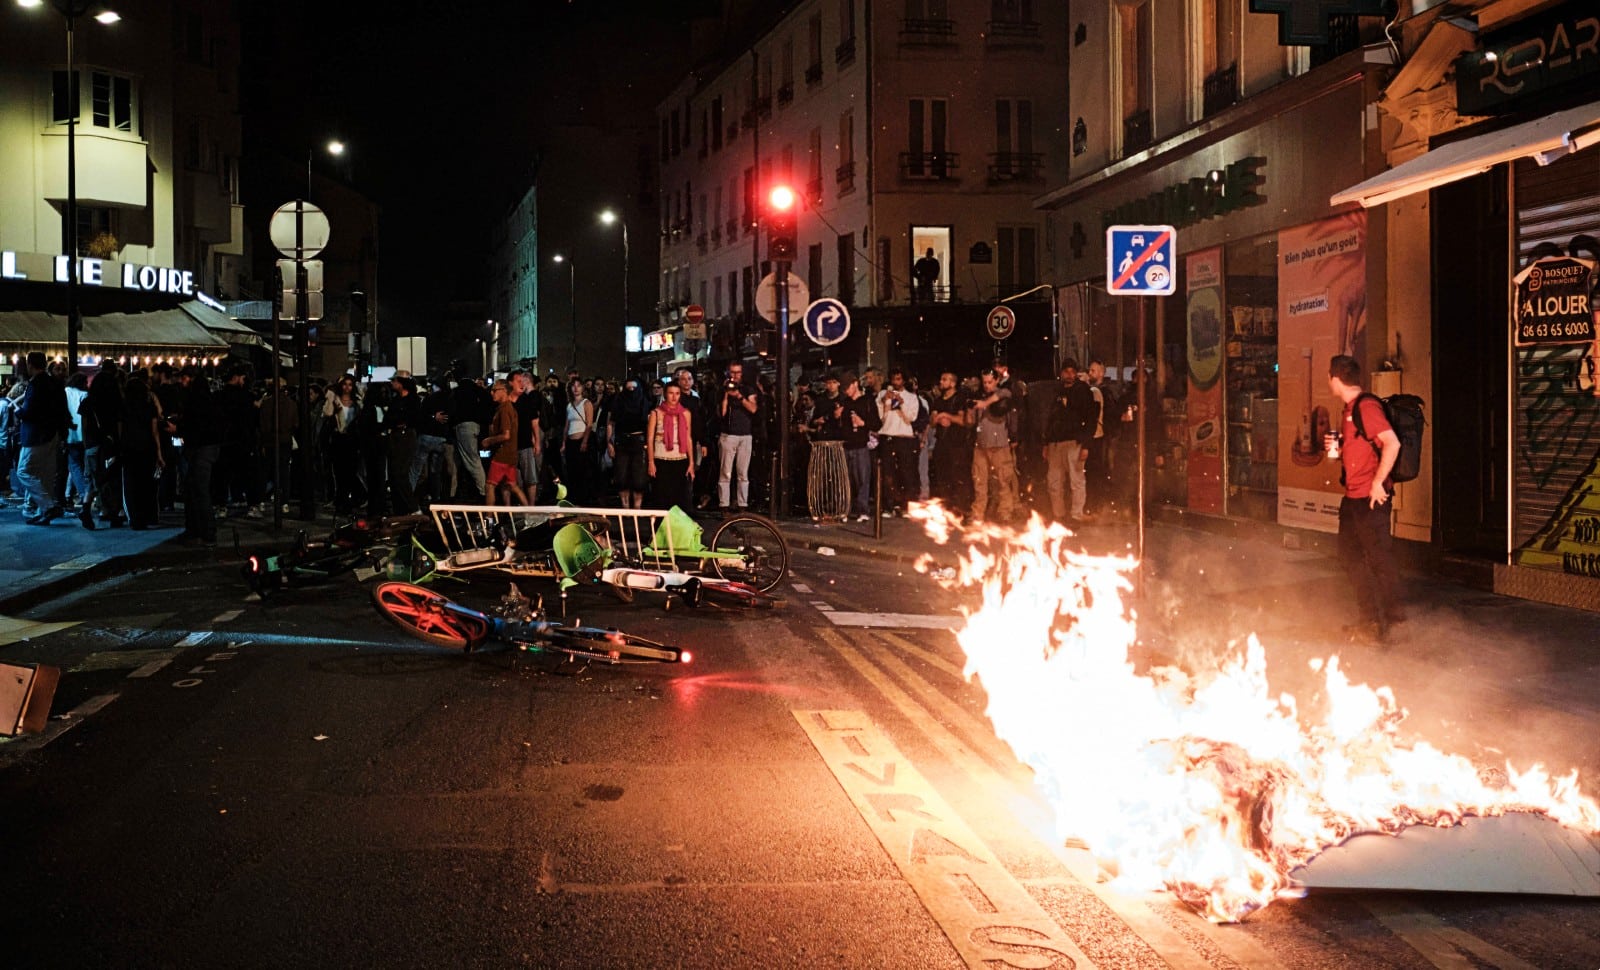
x,y
782,207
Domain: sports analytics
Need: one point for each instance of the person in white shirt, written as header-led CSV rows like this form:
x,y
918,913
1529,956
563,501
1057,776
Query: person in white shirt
x,y
898,410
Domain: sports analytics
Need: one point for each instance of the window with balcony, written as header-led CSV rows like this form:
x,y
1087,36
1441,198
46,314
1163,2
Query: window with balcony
x,y
927,22
1012,23
845,175
1016,259
845,52
1217,37
1014,159
97,231
786,71
814,49
928,154
930,242
1134,69
112,100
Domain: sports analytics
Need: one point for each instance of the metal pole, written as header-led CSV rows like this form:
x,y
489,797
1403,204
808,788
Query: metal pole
x,y
572,295
308,502
780,494
1140,418
279,492
73,321
626,319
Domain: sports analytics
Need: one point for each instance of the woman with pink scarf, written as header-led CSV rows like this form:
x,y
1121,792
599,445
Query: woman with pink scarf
x,y
670,432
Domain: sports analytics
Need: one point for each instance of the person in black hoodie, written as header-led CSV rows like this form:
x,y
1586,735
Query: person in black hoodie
x,y
43,419
139,452
197,424
856,413
401,419
100,414
469,409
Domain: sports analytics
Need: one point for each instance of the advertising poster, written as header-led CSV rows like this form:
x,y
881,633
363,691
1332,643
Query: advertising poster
x,y
1203,271
1322,311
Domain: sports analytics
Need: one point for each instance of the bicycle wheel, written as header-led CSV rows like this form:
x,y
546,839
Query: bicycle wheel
x,y
610,646
428,616
763,556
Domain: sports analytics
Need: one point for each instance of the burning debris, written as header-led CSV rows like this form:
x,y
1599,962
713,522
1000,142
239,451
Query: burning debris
x,y
1203,782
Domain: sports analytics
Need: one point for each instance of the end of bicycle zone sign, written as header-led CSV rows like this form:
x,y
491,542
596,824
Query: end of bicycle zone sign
x,y
1141,260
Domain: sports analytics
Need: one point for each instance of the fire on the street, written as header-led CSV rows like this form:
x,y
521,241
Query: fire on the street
x,y
1199,781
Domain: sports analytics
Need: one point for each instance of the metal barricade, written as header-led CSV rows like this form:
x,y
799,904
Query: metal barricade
x,y
475,535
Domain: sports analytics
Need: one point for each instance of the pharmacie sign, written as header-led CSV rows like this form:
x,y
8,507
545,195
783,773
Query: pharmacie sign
x,y
1238,185
107,273
1554,302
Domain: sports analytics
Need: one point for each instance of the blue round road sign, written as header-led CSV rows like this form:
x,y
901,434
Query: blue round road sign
x,y
827,322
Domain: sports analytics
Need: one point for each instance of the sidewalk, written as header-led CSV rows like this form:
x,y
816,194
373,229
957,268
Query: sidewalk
x,y
40,563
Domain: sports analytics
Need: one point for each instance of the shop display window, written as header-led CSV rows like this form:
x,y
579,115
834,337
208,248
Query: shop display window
x,y
1250,341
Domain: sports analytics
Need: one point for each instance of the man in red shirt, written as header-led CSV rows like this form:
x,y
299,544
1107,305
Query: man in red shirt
x,y
1365,545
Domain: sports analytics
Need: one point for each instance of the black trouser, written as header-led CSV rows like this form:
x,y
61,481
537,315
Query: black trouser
x,y
105,480
139,487
950,467
401,449
198,520
900,479
1367,551
1097,475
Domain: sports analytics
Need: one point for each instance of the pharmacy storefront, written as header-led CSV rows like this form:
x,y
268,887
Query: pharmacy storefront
x,y
1271,283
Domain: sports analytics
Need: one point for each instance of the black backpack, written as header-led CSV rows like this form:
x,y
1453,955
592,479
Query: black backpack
x,y
1404,413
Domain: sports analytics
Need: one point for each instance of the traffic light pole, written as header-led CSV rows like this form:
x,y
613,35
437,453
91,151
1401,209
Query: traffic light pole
x,y
780,488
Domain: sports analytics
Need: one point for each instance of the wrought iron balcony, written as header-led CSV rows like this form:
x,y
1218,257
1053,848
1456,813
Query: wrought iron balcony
x,y
935,166
1016,166
786,92
733,230
844,173
923,31
1136,132
1014,33
1220,90
845,52
814,190
763,106
814,73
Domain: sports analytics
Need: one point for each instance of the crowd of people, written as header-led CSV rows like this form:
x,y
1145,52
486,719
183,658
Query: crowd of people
x,y
121,447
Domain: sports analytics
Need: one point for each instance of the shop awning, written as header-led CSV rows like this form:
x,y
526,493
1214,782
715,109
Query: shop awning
x,y
222,325
1544,140
36,330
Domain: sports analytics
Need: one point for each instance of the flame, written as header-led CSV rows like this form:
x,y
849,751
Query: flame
x,y
1201,782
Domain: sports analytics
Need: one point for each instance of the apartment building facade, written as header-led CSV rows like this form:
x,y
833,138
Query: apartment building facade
x,y
1377,195
903,128
157,143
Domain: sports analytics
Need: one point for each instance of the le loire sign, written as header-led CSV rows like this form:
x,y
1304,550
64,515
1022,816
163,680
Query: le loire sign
x,y
97,272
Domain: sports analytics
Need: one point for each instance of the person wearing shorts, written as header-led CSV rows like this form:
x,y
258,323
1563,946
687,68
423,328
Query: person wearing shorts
x,y
502,442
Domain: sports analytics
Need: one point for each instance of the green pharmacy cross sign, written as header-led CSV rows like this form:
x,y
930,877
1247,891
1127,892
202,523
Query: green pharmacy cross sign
x,y
1306,21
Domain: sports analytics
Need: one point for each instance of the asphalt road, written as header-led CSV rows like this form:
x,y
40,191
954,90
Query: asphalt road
x,y
298,784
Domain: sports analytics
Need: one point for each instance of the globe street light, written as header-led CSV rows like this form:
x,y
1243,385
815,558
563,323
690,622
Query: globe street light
x,y
610,217
72,10
572,299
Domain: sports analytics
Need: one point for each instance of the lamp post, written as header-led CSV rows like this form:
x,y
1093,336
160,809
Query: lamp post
x,y
308,500
572,299
610,217
72,10
483,356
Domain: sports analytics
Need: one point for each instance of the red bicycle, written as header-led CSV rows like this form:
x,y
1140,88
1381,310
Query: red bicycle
x,y
429,616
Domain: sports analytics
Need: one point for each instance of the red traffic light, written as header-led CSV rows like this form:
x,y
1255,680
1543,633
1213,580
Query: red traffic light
x,y
782,198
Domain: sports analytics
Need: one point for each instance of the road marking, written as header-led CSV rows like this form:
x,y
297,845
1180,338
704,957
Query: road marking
x,y
120,659
193,639
154,666
897,621
822,605
927,656
1440,944
14,629
227,617
1141,916
988,916
82,562
800,587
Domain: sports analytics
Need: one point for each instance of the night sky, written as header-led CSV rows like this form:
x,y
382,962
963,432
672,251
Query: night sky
x,y
445,107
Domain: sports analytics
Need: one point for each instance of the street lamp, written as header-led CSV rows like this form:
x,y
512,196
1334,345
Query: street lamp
x,y
483,357
334,147
72,10
609,217
572,299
